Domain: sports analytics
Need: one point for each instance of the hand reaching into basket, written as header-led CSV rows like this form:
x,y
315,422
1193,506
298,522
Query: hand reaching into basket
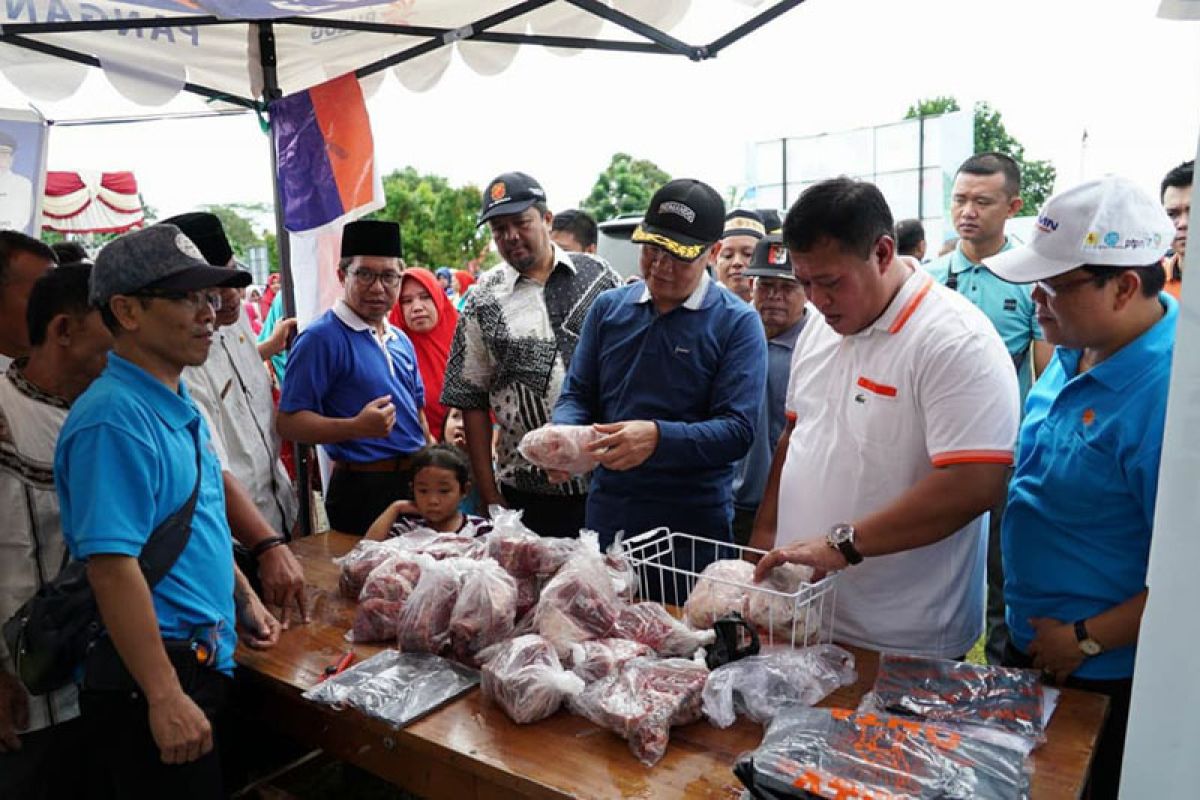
x,y
815,553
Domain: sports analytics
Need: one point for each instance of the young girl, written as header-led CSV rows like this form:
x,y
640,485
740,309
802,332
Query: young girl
x,y
440,482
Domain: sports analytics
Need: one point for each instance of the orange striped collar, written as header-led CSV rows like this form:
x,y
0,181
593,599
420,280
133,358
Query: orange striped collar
x,y
905,303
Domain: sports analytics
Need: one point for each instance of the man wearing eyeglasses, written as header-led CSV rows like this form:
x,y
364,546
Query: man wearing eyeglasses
x,y
671,371
156,683
352,384
1075,559
783,307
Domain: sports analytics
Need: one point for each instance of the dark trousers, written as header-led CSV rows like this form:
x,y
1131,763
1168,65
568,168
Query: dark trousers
x,y
1105,779
743,524
548,514
49,766
355,499
996,633
128,762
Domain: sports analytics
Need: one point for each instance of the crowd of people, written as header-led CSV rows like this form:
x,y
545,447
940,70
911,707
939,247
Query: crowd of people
x,y
976,437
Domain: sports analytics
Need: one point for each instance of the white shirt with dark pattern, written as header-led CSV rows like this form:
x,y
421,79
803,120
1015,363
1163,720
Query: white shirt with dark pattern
x,y
32,548
511,350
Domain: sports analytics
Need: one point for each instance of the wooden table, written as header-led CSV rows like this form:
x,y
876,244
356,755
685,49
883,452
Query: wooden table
x,y
470,749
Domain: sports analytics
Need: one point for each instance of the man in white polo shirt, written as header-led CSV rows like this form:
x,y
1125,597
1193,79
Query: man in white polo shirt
x,y
906,413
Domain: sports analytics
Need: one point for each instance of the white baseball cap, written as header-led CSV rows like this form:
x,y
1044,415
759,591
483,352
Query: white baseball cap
x,y
1108,222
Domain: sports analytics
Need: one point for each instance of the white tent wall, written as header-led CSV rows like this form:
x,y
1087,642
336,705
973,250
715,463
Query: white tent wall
x,y
1164,730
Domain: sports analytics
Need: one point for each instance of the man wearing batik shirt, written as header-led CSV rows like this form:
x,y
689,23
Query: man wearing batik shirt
x,y
69,347
514,342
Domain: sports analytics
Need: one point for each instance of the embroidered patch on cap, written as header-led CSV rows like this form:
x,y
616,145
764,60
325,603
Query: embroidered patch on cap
x,y
188,247
679,209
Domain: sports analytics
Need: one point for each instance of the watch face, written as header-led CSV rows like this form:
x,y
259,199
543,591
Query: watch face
x,y
839,534
1090,647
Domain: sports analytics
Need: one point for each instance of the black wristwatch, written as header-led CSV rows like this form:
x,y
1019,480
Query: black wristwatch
x,y
1087,645
841,538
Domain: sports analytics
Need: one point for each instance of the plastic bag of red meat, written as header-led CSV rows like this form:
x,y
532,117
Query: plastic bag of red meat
x,y
653,626
720,591
781,614
643,701
579,603
620,569
485,610
424,624
394,579
521,552
357,564
600,658
376,620
560,448
525,678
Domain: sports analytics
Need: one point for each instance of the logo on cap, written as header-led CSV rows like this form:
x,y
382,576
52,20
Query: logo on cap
x,y
1046,225
1092,239
187,247
498,191
777,254
679,209
1112,238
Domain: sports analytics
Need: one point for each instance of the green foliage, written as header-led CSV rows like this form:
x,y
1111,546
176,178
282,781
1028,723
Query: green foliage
x,y
1037,177
437,220
239,227
624,187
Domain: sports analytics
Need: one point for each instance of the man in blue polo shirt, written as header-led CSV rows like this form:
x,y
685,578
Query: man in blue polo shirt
x,y
352,384
1075,560
127,460
672,371
987,193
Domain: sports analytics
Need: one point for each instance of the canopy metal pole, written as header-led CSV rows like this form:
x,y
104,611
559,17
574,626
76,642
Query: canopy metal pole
x,y
272,92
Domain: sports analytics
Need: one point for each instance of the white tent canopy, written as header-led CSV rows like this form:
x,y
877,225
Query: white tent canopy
x,y
241,52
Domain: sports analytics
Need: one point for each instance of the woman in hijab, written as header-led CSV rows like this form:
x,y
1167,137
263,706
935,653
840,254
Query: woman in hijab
x,y
428,317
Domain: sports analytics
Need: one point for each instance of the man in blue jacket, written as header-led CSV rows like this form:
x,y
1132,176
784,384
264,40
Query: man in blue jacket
x,y
672,371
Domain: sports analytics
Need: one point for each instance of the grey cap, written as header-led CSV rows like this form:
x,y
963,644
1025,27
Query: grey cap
x,y
770,259
158,257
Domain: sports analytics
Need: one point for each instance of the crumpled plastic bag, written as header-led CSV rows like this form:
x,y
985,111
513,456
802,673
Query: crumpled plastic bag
x,y
653,626
835,752
643,701
758,686
525,678
784,618
397,688
721,591
424,625
579,603
522,552
599,658
485,610
560,448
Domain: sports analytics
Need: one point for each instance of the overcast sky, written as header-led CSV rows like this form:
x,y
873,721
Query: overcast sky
x,y
1052,67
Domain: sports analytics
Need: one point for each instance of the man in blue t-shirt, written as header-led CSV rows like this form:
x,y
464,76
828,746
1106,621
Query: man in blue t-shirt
x,y
126,461
986,194
352,384
1076,535
671,371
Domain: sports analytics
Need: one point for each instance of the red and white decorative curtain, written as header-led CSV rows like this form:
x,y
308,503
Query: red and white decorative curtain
x,y
91,202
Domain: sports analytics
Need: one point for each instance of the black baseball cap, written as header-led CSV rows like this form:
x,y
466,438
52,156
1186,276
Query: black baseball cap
x,y
770,259
510,193
158,257
207,233
685,217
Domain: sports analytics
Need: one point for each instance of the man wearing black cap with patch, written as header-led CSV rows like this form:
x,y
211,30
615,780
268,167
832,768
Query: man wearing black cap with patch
x,y
783,308
135,457
515,339
233,392
16,191
671,371
743,230
352,384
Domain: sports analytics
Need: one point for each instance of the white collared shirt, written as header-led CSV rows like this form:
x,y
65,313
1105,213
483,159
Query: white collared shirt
x,y
928,384
233,392
694,299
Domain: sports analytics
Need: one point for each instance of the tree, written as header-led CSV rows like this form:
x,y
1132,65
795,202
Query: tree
x,y
239,229
624,187
1037,177
437,220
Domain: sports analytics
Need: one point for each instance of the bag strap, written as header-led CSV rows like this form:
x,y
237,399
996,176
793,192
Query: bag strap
x,y
170,537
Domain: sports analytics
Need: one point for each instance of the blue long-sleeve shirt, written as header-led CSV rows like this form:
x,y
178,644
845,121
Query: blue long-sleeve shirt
x,y
698,372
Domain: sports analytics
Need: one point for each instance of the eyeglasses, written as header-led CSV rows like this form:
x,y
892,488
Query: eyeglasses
x,y
366,278
1066,286
193,301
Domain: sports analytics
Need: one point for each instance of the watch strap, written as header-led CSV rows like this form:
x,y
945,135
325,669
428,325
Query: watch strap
x,y
1081,632
850,552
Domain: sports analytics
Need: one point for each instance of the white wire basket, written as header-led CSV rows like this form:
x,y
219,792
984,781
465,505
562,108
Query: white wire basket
x,y
665,562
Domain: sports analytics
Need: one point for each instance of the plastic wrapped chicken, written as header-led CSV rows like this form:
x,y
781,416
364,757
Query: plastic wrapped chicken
x,y
719,592
779,616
